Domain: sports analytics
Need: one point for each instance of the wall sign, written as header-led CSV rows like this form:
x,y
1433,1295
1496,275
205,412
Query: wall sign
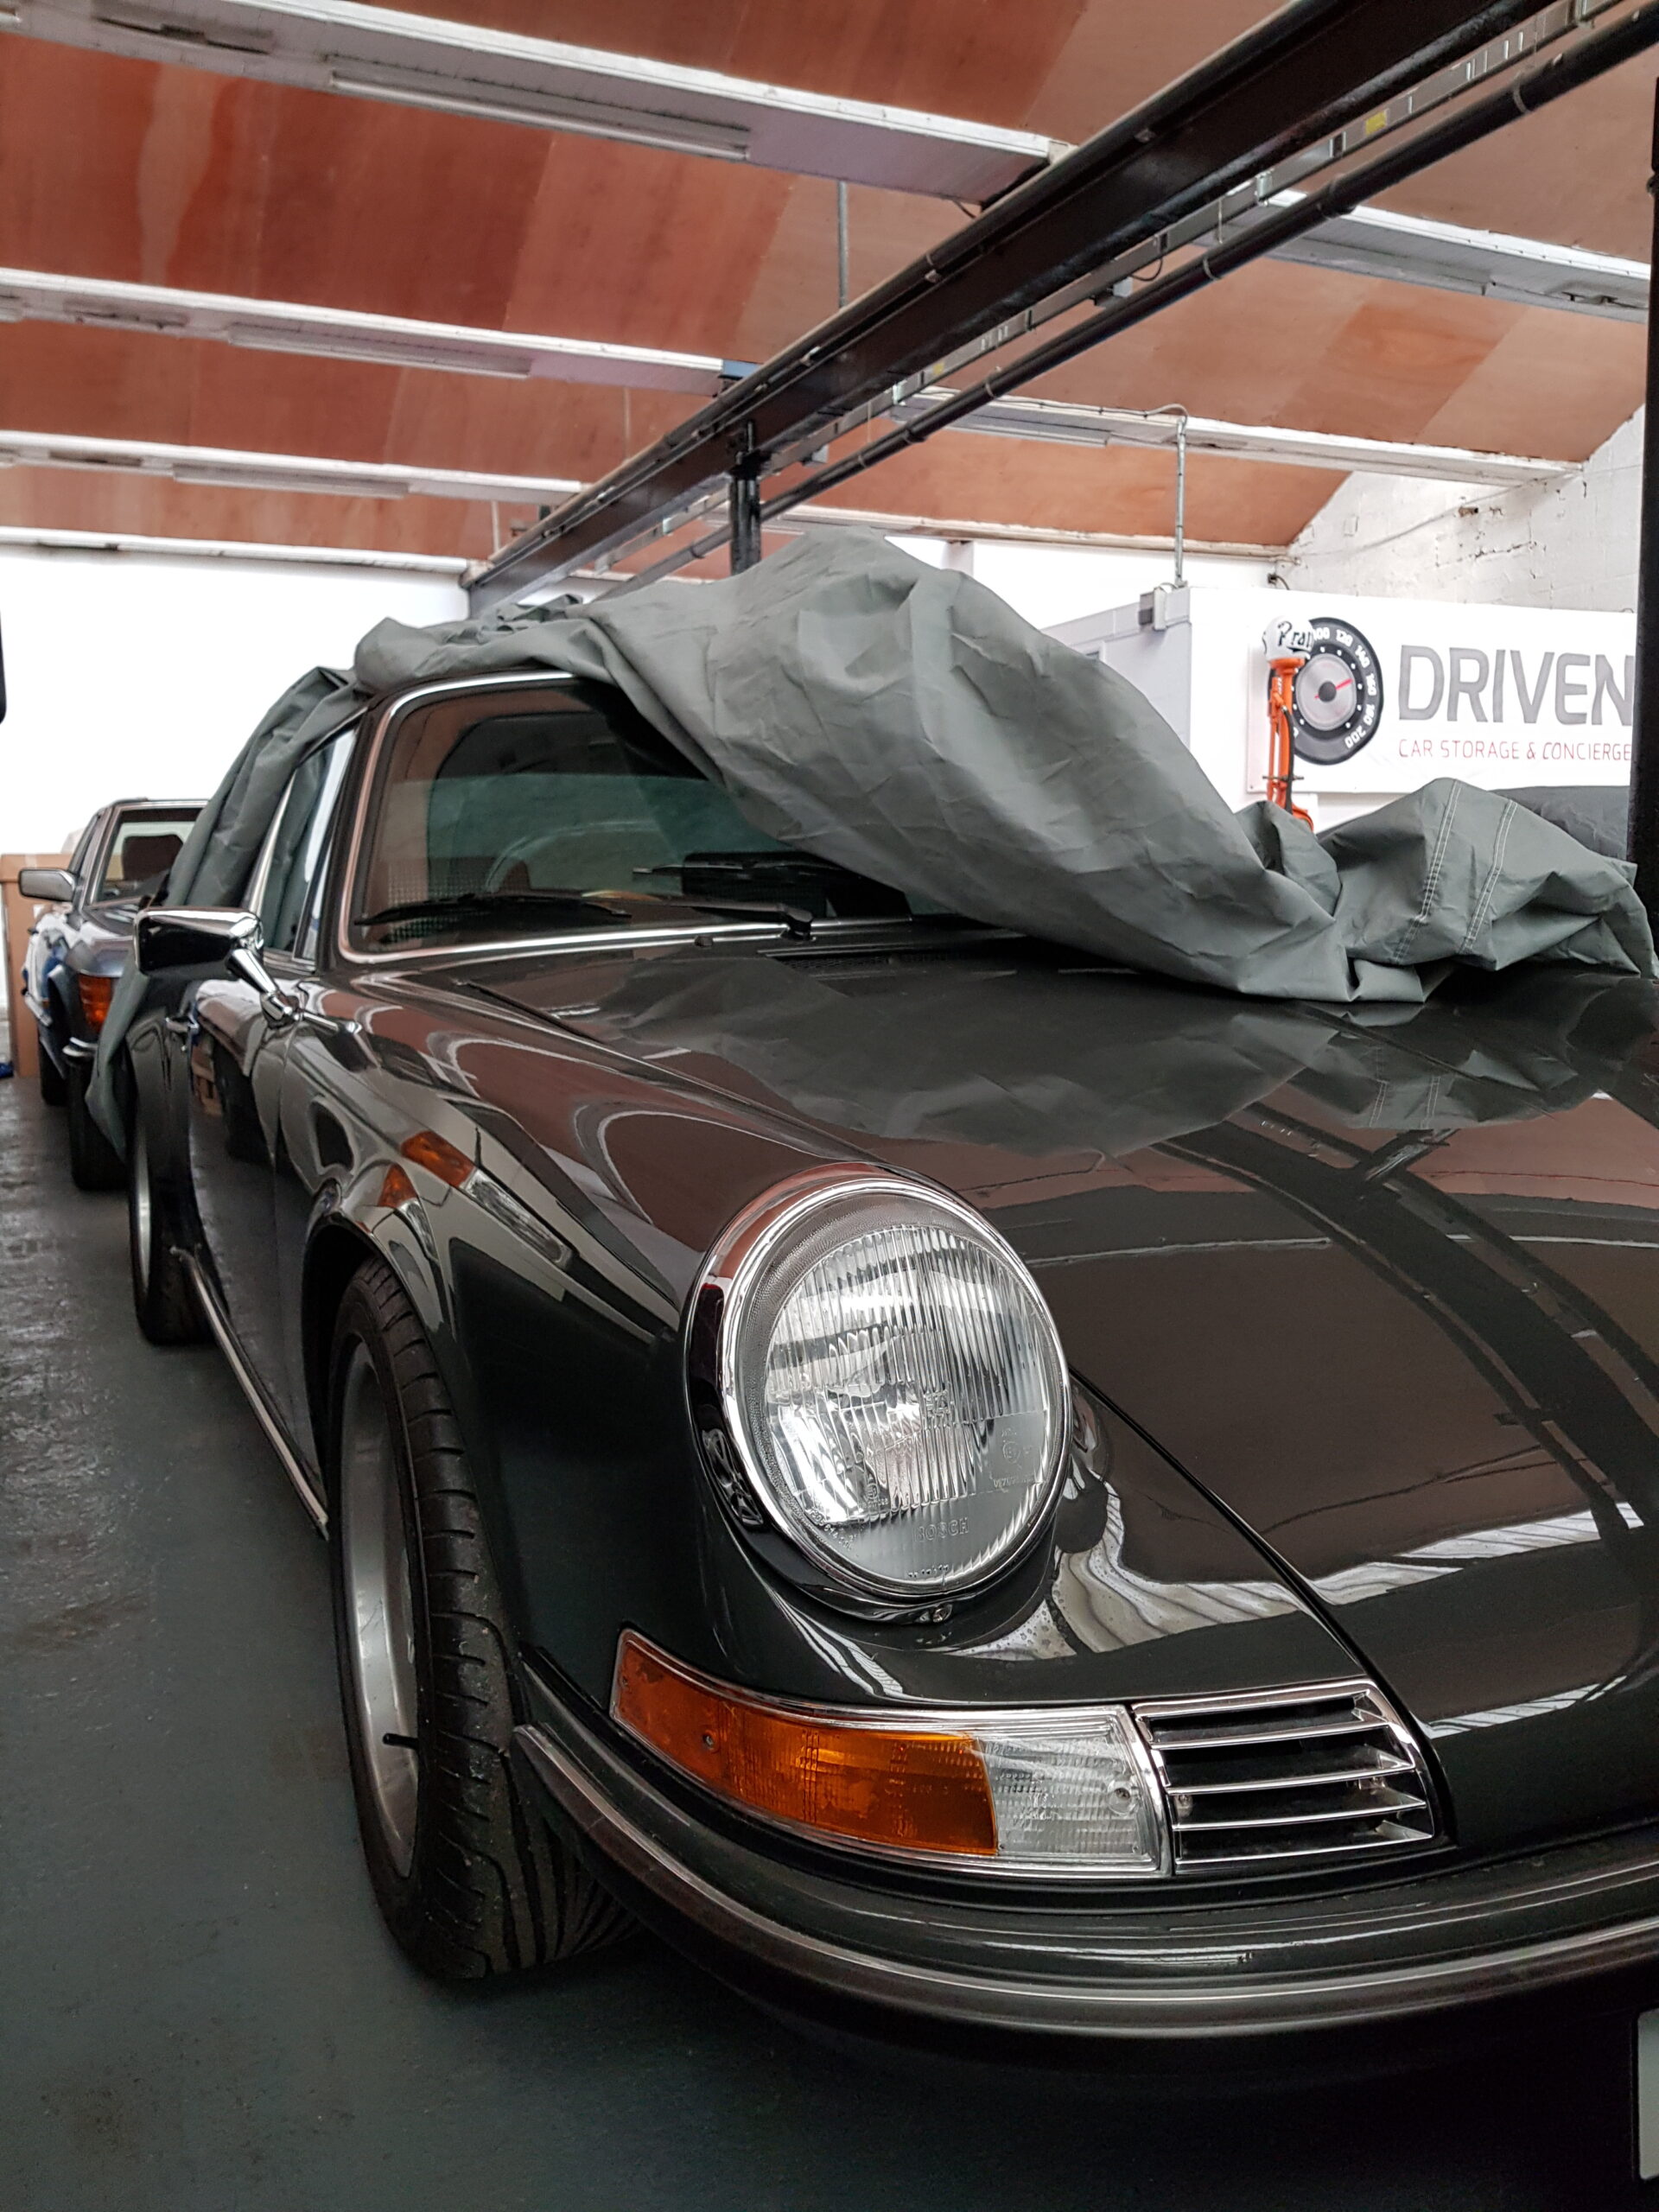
x,y
1338,696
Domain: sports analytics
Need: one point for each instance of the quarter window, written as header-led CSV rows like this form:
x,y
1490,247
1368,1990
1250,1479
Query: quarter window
x,y
298,843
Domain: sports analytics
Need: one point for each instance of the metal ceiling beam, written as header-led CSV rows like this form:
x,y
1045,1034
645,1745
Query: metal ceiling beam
x,y
1311,84
1580,42
384,53
274,472
1610,37
1064,422
392,341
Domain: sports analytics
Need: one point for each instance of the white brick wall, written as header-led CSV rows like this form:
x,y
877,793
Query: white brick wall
x,y
1570,545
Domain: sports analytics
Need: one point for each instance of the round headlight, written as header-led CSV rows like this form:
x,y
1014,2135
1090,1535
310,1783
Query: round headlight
x,y
891,1383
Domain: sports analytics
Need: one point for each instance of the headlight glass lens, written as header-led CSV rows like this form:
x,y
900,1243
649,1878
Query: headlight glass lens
x,y
897,1388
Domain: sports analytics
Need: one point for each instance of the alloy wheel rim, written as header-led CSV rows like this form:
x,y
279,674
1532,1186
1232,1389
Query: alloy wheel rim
x,y
143,1225
380,1595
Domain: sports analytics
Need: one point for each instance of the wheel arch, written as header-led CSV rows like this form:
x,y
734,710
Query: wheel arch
x,y
339,1245
337,1249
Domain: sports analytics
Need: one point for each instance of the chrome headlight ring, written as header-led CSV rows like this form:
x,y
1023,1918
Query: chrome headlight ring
x,y
878,1390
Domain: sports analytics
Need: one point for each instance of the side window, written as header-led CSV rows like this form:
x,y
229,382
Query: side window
x,y
298,842
142,849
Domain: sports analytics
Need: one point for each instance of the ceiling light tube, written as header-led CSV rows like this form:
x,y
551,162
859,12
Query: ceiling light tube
x,y
381,353
276,472
548,111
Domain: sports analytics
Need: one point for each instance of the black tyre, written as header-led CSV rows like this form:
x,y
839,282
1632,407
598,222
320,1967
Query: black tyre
x,y
469,1877
163,1296
54,1090
94,1163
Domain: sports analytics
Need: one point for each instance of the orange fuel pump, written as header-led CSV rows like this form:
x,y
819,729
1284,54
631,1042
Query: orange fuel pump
x,y
1287,649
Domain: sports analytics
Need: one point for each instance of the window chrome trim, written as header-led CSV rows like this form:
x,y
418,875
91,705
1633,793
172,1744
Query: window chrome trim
x,y
374,731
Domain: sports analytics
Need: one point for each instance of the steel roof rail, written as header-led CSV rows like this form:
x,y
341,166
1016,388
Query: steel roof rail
x,y
1309,86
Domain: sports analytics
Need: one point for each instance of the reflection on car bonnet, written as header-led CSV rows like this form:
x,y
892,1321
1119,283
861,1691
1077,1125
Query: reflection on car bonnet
x,y
1029,1057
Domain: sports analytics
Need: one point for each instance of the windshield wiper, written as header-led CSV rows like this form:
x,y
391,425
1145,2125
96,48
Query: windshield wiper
x,y
571,905
797,920
788,882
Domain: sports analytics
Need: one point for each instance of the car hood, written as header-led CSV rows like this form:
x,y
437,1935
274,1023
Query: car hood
x,y
1385,1286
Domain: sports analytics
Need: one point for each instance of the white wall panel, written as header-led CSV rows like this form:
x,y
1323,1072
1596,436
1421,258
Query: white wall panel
x,y
140,675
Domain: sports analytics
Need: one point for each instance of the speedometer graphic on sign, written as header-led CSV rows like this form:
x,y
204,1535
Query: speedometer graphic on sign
x,y
1337,703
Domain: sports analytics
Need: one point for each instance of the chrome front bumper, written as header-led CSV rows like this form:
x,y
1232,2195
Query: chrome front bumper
x,y
1150,1968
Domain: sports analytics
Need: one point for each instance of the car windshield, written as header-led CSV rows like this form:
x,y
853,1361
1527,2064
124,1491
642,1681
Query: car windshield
x,y
560,808
145,845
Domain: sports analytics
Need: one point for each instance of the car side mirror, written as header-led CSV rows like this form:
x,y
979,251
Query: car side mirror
x,y
169,939
54,885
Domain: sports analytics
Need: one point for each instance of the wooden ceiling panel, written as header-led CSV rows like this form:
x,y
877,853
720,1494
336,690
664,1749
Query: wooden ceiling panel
x,y
1119,56
98,384
1124,489
638,247
792,286
1238,350
1554,384
132,170
981,59
1395,363
1575,173
184,391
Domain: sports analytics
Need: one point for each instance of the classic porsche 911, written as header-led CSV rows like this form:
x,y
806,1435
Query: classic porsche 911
x,y
955,1481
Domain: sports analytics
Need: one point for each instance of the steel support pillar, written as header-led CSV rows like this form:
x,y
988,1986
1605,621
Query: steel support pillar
x,y
743,495
1644,846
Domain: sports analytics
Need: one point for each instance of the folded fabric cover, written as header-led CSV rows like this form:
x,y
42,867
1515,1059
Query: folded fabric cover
x,y
905,721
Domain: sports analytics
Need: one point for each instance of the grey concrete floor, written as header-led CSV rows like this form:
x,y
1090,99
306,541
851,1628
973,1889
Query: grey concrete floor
x,y
199,2011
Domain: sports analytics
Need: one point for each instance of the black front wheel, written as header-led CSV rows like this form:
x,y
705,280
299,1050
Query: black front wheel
x,y
469,1877
94,1163
54,1090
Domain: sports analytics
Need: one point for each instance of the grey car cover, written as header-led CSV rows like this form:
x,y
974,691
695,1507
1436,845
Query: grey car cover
x,y
903,721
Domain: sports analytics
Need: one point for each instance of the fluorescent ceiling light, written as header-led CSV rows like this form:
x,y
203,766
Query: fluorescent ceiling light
x,y
223,549
393,342
1453,258
276,472
387,54
346,345
592,118
1063,423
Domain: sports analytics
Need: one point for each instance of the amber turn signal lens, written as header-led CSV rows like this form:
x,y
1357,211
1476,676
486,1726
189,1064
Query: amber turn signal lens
x,y
437,1156
396,1189
900,1789
96,992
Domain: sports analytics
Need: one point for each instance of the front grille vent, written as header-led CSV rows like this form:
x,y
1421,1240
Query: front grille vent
x,y
1288,1777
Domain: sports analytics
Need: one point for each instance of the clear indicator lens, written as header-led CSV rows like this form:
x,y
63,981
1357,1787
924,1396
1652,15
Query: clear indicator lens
x,y
901,1393
1072,1795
